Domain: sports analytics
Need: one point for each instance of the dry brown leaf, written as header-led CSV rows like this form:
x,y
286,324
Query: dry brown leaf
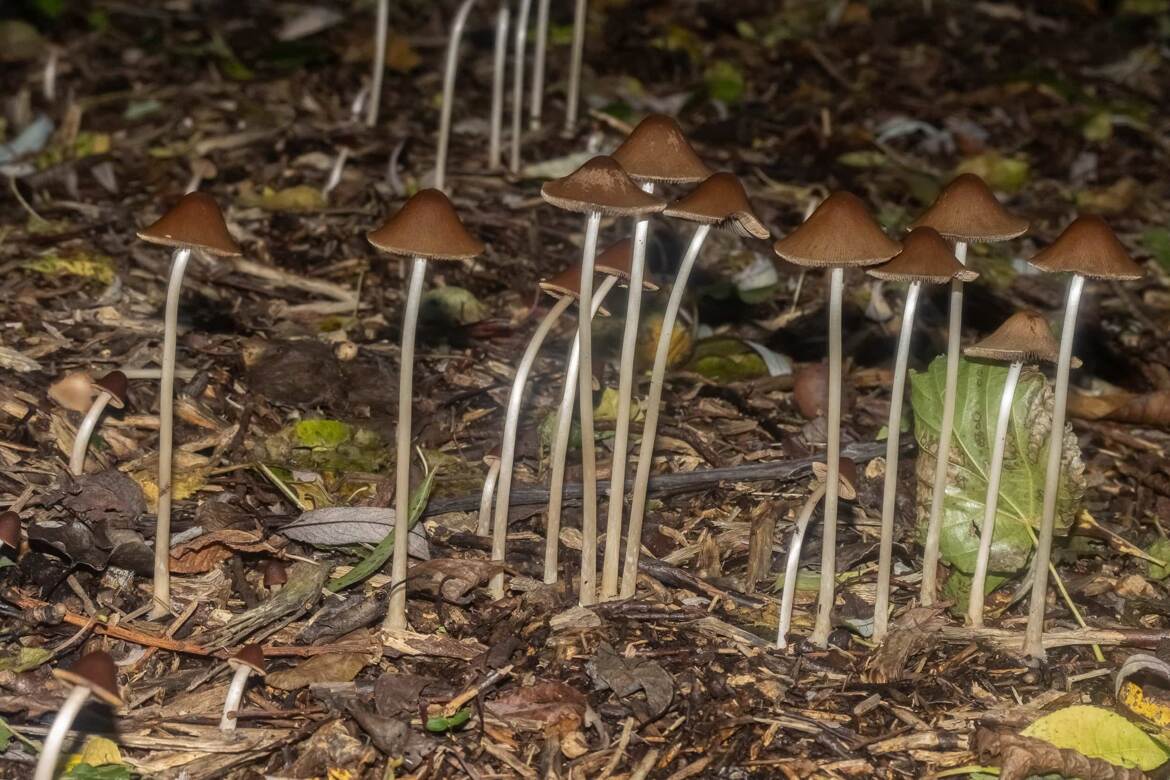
x,y
209,550
327,668
546,704
1139,409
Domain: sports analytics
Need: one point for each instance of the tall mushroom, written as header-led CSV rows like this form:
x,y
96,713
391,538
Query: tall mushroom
x,y
93,674
536,102
840,234
380,33
450,71
499,62
195,223
518,83
249,661
1087,249
719,201
111,391
425,228
573,94
925,259
1023,338
598,187
965,211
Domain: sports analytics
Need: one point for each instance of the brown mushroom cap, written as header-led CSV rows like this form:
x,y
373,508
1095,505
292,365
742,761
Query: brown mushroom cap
x,y
567,284
116,384
1025,338
846,476
1089,248
10,530
492,456
925,257
839,234
657,150
618,260
97,672
967,210
601,185
426,226
722,201
251,656
195,222
274,573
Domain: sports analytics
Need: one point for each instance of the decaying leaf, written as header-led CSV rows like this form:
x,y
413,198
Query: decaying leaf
x,y
330,667
209,550
546,704
1151,408
1022,757
1099,733
627,676
453,578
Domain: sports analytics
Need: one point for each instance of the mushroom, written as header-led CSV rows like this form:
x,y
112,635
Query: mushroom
x,y
275,575
536,102
1086,248
492,460
598,187
846,481
810,390
1023,338
450,70
195,223
250,660
499,63
925,259
840,234
10,534
379,62
572,96
518,81
965,211
719,201
425,228
94,674
111,391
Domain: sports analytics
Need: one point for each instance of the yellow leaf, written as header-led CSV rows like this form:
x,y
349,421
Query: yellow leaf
x,y
97,267
97,751
300,198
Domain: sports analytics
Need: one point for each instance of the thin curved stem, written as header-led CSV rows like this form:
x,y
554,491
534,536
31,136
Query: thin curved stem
x,y
166,431
379,62
929,586
560,448
85,432
235,695
987,530
396,616
573,96
793,562
55,739
518,81
1034,633
881,607
508,445
588,590
484,525
499,63
449,73
536,103
650,423
823,626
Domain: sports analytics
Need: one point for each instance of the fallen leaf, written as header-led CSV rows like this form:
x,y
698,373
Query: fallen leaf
x,y
627,676
205,552
326,668
1098,733
546,704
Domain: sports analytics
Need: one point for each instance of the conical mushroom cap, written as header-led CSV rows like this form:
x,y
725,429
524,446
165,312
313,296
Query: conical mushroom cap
x,y
274,573
567,284
846,477
426,226
618,260
720,200
492,455
195,222
10,530
925,257
657,150
601,185
1024,338
97,672
839,234
116,384
1089,248
967,210
251,656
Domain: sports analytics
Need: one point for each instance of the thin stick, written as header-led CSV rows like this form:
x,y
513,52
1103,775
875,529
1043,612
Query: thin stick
x,y
55,739
518,81
449,73
1033,634
987,531
792,564
379,62
85,432
929,586
396,616
536,102
881,607
499,62
484,525
650,424
166,415
572,98
588,591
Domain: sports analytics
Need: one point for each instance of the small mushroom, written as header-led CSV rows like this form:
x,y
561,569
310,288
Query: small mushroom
x,y
810,390
249,661
1023,338
93,674
111,391
275,575
9,534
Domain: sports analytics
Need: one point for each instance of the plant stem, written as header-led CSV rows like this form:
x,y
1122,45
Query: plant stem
x,y
55,739
379,62
166,430
1033,634
823,626
85,432
449,73
881,606
536,103
235,694
792,564
987,531
588,590
929,586
572,98
508,445
499,63
396,616
650,423
484,526
518,81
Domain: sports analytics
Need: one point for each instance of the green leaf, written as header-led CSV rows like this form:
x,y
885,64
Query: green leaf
x,y
108,772
724,82
329,434
1160,550
1156,241
726,360
1100,733
1022,484
24,659
440,724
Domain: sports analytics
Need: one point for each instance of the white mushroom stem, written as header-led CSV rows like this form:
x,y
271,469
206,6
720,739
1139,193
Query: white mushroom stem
x,y
572,97
621,436
560,447
85,432
987,531
792,564
379,62
536,103
449,72
499,62
235,695
518,81
588,589
508,445
166,432
484,526
929,586
55,739
1033,634
396,616
650,422
881,607
823,625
